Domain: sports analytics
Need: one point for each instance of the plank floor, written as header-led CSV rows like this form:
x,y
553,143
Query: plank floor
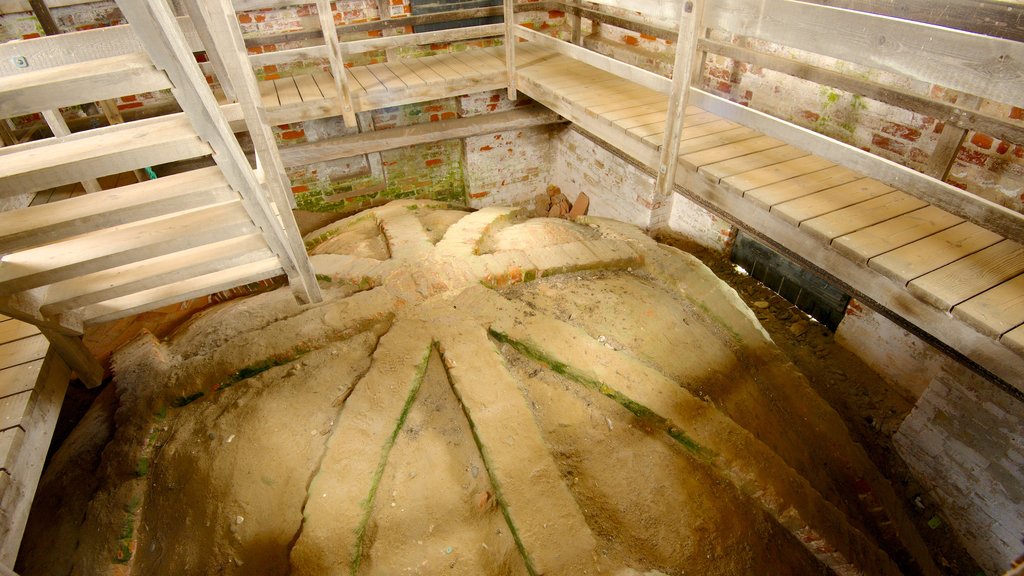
x,y
953,265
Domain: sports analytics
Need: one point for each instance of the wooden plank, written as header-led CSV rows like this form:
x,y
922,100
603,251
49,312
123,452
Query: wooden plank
x,y
423,38
308,90
367,80
60,220
325,82
440,66
220,280
694,160
628,107
19,378
109,150
987,17
407,75
933,252
287,91
23,351
992,68
861,215
1014,340
865,244
632,73
72,84
771,157
423,71
481,60
772,194
325,15
807,207
16,330
971,275
995,217
509,18
55,120
121,245
995,311
121,281
386,77
653,134
10,443
775,173
268,94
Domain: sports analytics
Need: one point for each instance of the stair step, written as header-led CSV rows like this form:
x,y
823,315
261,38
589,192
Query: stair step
x,y
62,86
46,223
148,274
54,162
206,284
122,245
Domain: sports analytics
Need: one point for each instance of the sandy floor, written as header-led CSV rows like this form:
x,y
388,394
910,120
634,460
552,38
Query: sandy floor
x,y
478,394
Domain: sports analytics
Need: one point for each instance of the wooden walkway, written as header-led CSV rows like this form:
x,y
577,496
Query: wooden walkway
x,y
32,385
951,264
309,96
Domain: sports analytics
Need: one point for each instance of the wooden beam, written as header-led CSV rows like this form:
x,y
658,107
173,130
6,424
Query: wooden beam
x,y
392,138
966,117
337,59
74,353
156,27
421,38
683,71
55,120
992,68
510,46
997,18
982,212
574,8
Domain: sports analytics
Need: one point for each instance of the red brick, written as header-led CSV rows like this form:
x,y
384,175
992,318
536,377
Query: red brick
x,y
810,116
299,189
448,115
939,127
433,108
260,18
918,155
292,134
270,47
30,36
972,157
1003,148
724,87
555,14
271,76
128,99
270,68
434,117
647,37
1017,113
889,144
130,105
434,162
902,131
375,33
981,140
486,148
479,194
1018,151
631,40
244,19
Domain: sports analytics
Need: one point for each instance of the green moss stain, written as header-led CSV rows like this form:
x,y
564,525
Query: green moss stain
x,y
142,467
839,114
647,416
367,504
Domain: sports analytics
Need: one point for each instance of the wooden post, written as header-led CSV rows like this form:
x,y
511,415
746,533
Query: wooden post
x,y
384,10
337,59
6,135
950,141
42,14
576,21
158,31
218,18
690,17
510,47
59,127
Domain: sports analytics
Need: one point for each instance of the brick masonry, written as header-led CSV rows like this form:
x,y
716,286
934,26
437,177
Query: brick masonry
x,y
964,440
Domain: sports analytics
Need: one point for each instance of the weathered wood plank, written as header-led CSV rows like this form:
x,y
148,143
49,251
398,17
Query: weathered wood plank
x,y
19,378
1014,340
997,310
15,330
865,244
12,409
776,173
771,157
861,215
23,351
694,160
933,252
971,275
772,194
807,207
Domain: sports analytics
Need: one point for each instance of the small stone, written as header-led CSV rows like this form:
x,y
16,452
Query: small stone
x,y
760,304
239,519
799,328
541,205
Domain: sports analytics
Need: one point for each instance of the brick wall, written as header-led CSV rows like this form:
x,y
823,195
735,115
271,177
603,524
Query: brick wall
x,y
964,441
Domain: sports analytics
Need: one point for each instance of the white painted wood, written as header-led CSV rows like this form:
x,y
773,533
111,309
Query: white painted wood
x,y
156,26
950,198
63,86
60,129
992,68
337,58
79,47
